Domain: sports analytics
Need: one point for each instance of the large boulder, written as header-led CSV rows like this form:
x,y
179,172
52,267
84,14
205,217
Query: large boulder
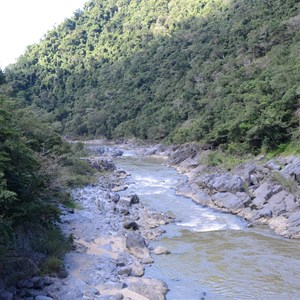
x,y
136,246
292,170
182,153
129,224
221,182
152,289
137,269
263,193
282,202
116,152
101,164
159,250
228,201
149,220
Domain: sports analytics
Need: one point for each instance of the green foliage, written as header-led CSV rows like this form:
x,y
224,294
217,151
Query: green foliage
x,y
223,72
53,266
224,160
289,185
55,244
291,148
36,170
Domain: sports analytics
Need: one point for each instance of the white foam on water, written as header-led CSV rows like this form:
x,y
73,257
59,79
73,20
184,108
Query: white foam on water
x,y
211,227
192,223
212,222
152,182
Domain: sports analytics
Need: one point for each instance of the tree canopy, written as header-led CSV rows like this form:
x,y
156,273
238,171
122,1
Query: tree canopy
x,y
222,72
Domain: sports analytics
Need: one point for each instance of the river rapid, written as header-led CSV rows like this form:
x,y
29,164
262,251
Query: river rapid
x,y
213,255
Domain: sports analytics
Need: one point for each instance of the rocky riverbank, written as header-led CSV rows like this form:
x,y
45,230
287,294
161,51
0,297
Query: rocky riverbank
x,y
110,235
260,191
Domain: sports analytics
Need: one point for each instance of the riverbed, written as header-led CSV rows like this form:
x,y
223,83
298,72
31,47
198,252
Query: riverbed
x,y
213,255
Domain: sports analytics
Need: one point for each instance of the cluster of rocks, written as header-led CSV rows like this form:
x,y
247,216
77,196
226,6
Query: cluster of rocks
x,y
111,233
260,191
110,237
29,289
102,157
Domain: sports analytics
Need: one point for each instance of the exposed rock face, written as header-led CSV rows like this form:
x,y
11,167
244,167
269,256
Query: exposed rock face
x,y
250,190
184,152
101,164
291,170
228,201
221,182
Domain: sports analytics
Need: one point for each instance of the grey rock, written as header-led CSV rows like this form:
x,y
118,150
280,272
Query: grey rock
x,y
221,182
124,203
129,224
294,219
256,178
90,292
117,296
228,201
101,164
264,192
276,203
264,213
182,153
134,199
150,288
244,197
161,250
124,211
5,295
201,197
292,170
124,271
146,259
135,240
116,153
38,282
137,269
246,173
113,286
115,197
273,165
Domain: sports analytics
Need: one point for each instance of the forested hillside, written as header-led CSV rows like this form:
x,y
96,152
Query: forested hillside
x,y
36,169
222,72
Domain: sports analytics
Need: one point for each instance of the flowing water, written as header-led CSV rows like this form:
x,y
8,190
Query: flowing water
x,y
214,255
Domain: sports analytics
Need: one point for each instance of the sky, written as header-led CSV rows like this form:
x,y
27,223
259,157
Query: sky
x,y
25,22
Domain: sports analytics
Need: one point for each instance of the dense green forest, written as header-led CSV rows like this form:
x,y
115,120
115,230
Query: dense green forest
x,y
213,71
36,170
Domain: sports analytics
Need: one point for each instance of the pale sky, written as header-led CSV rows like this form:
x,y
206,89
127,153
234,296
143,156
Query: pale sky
x,y
25,22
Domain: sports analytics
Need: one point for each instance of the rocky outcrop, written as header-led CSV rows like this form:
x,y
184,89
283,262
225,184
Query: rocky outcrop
x,y
262,192
291,168
100,164
111,248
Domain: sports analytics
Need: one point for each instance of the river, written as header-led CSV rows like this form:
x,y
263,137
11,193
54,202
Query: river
x,y
214,255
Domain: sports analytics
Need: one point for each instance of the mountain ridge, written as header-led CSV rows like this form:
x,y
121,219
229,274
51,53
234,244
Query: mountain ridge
x,y
219,72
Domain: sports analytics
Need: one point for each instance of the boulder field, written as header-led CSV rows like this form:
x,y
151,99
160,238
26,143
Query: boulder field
x,y
259,190
110,248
